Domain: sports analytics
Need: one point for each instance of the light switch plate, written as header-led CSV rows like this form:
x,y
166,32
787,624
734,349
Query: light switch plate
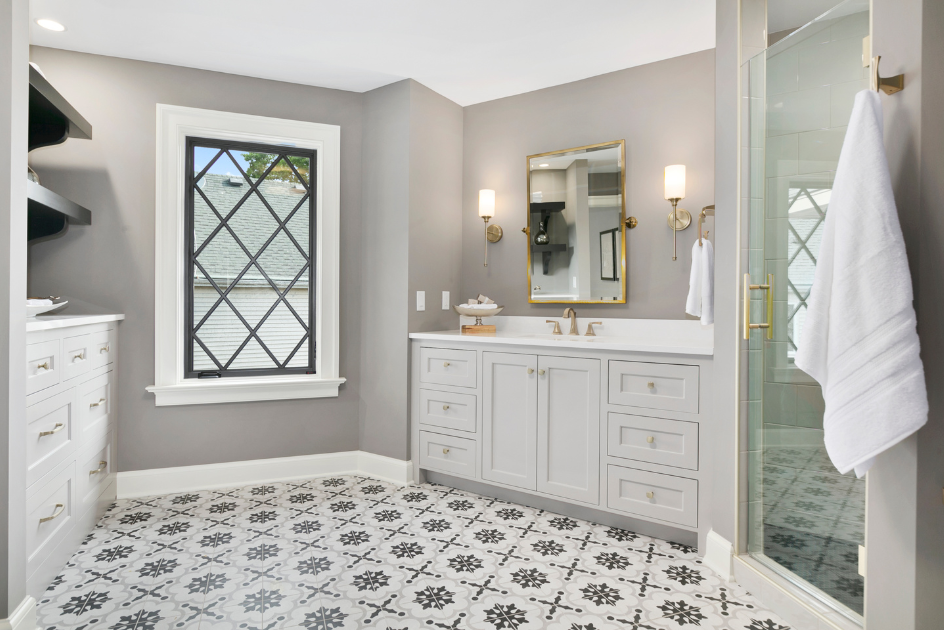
x,y
445,301
421,300
862,561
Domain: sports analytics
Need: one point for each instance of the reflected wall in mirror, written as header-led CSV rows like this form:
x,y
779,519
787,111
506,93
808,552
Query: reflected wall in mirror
x,y
576,227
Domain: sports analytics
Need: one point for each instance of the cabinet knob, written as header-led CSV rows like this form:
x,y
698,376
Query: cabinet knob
x,y
530,370
650,385
650,494
445,451
445,363
541,372
445,407
650,439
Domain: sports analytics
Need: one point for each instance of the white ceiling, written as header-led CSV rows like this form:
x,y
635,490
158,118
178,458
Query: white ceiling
x,y
469,51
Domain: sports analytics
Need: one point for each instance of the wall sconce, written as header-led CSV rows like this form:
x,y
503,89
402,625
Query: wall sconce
x,y
493,233
679,219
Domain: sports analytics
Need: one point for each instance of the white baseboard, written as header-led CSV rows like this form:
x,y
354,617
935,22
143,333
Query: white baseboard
x,y
143,483
719,554
23,618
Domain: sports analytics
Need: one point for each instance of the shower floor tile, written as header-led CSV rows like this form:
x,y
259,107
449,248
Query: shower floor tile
x,y
353,552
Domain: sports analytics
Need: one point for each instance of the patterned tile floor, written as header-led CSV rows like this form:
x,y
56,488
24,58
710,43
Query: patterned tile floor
x,y
352,552
814,520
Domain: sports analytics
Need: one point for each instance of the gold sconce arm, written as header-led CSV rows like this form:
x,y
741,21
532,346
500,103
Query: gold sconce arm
x,y
769,288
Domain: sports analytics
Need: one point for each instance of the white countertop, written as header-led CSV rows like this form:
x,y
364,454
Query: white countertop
x,y
665,336
49,322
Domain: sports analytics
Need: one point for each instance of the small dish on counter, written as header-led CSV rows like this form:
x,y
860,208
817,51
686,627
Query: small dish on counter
x,y
50,304
478,312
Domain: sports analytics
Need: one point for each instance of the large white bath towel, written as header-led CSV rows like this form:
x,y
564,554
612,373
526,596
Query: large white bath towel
x,y
859,339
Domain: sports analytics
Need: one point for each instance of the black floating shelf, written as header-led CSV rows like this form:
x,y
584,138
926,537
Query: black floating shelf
x,y
552,247
52,119
48,212
547,206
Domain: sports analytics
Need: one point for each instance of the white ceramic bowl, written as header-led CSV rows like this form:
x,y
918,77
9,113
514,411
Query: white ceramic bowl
x,y
33,311
477,313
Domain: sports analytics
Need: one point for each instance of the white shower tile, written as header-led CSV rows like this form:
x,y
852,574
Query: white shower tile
x,y
841,100
782,72
796,112
819,150
782,155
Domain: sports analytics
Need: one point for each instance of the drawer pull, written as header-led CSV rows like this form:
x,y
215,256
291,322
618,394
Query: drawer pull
x,y
541,372
55,429
78,357
101,401
650,494
59,510
445,451
650,439
650,385
102,465
530,370
43,366
104,349
445,364
445,407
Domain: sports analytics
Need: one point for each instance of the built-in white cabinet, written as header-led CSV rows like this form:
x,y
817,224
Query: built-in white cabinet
x,y
71,427
618,432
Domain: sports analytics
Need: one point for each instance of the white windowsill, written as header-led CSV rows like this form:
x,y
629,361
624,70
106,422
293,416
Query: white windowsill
x,y
256,388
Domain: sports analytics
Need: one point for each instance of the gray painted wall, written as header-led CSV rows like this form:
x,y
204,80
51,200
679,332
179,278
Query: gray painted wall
x,y
111,262
666,114
14,42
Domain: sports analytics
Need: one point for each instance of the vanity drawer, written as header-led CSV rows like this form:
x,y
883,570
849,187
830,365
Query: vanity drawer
x,y
447,367
103,348
447,454
50,434
656,440
448,410
654,385
654,495
95,402
50,516
93,471
76,356
42,365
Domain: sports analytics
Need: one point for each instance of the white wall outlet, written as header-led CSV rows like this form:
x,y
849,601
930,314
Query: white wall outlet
x,y
421,300
445,301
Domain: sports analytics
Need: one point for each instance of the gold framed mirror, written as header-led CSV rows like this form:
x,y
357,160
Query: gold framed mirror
x,y
577,225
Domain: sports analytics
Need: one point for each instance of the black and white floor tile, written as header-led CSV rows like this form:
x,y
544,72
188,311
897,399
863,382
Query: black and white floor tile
x,y
353,552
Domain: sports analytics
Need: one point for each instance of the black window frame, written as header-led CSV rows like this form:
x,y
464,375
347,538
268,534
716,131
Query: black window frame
x,y
190,335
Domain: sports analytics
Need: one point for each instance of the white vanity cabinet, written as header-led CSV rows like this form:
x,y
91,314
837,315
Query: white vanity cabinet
x,y
71,428
596,423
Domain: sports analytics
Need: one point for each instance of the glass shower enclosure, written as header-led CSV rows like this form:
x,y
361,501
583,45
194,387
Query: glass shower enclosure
x,y
806,521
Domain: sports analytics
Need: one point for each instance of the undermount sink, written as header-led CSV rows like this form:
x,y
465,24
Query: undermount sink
x,y
561,337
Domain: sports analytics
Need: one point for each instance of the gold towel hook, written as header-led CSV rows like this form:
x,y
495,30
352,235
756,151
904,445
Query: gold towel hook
x,y
707,211
889,85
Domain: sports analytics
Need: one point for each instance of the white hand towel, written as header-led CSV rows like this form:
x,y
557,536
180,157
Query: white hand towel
x,y
701,283
859,339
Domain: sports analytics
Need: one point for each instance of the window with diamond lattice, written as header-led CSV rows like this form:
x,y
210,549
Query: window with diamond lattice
x,y
807,206
250,249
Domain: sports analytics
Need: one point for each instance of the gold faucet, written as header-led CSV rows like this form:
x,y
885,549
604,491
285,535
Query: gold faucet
x,y
572,314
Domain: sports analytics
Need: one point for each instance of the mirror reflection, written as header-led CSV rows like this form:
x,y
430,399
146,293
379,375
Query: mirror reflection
x,y
576,233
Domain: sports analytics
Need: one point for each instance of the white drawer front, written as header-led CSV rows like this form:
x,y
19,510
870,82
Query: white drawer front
x,y
447,454
42,365
664,497
669,442
50,434
448,409
654,385
50,515
76,356
93,471
104,348
95,401
447,367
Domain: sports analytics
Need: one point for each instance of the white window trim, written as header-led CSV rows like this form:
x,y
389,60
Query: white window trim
x,y
174,125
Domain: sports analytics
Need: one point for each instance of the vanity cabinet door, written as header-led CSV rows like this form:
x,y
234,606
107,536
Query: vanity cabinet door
x,y
569,428
509,419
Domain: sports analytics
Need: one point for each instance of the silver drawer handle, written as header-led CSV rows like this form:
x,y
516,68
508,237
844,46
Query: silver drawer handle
x,y
43,366
59,509
530,370
102,465
78,357
650,385
445,451
445,363
650,439
55,429
101,401
650,494
445,407
104,349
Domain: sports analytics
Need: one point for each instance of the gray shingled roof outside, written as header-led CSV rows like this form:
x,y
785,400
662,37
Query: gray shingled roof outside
x,y
253,295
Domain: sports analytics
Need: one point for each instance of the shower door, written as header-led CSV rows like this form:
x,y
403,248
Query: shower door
x,y
806,520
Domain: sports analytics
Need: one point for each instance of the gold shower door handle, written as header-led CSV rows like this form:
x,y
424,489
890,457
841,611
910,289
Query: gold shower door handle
x,y
769,288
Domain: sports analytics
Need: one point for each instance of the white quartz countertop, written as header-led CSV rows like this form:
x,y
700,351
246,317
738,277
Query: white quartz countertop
x,y
664,336
50,322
